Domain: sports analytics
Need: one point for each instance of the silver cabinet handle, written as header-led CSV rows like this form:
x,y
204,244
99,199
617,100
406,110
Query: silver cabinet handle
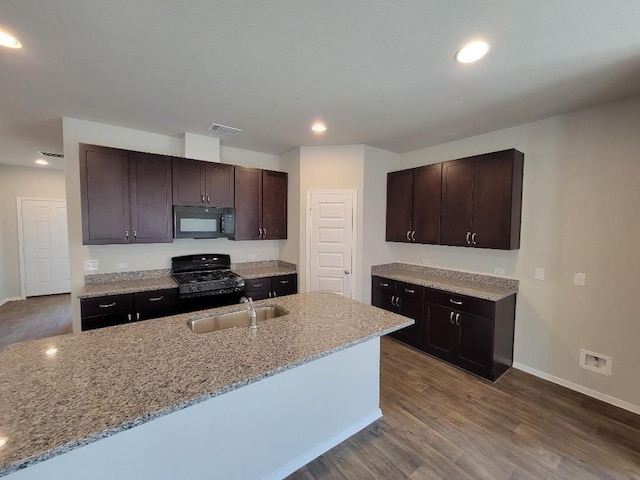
x,y
473,238
135,234
468,239
413,236
275,294
126,232
128,317
269,294
284,282
207,198
264,232
384,284
409,291
107,305
137,316
203,198
393,300
259,233
458,319
408,233
398,302
257,285
156,299
451,318
455,302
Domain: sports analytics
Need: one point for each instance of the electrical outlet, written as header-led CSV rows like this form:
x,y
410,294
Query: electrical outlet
x,y
499,271
539,273
121,265
579,279
426,261
91,265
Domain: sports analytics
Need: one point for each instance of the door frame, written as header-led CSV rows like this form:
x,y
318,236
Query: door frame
x,y
19,200
354,236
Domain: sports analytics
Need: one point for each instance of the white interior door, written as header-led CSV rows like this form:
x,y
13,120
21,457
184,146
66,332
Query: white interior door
x,y
46,247
331,242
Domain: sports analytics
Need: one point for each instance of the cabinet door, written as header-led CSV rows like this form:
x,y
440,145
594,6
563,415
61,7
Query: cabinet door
x,y
383,299
457,202
150,191
441,332
154,304
219,184
274,205
248,202
497,200
412,305
475,343
399,205
104,192
284,285
188,182
427,196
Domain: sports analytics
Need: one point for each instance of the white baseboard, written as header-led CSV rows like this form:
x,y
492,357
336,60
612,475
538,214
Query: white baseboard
x,y
579,388
10,299
325,446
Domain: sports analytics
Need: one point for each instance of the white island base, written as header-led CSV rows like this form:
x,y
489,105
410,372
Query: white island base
x,y
267,429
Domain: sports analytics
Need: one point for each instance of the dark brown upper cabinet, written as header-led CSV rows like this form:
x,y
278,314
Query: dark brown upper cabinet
x,y
482,201
125,196
261,204
413,205
198,183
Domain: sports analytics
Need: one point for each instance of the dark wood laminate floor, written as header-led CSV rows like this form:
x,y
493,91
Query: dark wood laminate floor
x,y
35,317
442,423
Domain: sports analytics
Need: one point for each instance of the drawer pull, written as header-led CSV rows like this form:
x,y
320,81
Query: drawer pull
x,y
107,305
156,299
455,302
451,318
384,284
284,282
409,291
458,319
257,284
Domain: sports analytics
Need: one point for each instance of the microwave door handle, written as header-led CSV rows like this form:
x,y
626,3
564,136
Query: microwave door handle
x,y
222,229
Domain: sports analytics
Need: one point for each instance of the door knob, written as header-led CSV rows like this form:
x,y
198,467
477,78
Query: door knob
x,y
346,272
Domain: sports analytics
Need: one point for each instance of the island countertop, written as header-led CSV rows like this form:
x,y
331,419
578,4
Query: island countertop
x,y
101,382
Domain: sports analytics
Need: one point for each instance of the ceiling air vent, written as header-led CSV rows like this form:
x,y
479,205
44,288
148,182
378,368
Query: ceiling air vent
x,y
51,154
224,129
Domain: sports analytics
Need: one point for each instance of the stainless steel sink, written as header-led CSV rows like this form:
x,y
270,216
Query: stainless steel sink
x,y
234,319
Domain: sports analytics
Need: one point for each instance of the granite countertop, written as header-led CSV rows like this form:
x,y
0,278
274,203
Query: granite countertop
x,y
269,268
103,284
464,283
104,381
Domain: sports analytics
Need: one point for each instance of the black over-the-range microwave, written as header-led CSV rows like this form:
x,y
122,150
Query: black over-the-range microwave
x,y
203,222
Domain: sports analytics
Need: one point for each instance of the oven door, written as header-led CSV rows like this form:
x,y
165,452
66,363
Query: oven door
x,y
197,222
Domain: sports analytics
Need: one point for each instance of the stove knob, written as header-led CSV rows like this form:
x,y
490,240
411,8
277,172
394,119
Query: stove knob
x,y
199,287
191,287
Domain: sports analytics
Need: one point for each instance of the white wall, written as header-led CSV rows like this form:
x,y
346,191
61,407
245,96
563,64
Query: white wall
x,y
20,182
332,168
376,165
580,201
144,256
290,250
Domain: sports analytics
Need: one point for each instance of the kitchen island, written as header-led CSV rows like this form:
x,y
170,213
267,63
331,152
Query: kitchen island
x,y
154,400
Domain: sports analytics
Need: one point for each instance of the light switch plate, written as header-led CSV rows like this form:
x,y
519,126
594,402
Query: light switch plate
x,y
91,265
579,279
539,274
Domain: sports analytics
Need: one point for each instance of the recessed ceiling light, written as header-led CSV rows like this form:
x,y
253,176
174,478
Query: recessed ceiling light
x,y
10,41
472,51
318,127
42,162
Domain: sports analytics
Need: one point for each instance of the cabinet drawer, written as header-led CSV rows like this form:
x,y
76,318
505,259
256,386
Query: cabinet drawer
x,y
109,304
409,290
101,321
156,303
476,306
384,283
257,284
285,284
259,294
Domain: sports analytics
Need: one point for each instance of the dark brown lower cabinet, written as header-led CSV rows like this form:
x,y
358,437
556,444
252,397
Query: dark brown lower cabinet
x,y
405,299
271,287
472,333
110,310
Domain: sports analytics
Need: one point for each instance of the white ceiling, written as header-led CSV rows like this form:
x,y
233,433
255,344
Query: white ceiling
x,y
378,72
